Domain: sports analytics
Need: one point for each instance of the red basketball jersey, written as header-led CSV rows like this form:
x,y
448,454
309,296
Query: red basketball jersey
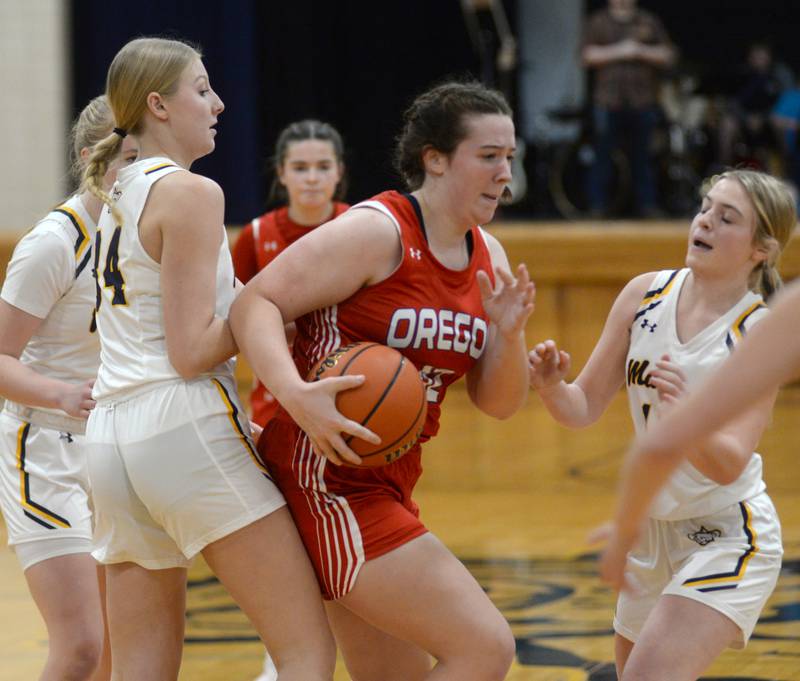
x,y
259,243
432,314
435,317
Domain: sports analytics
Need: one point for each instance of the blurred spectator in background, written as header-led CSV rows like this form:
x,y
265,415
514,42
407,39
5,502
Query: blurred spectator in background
x,y
745,133
628,49
786,122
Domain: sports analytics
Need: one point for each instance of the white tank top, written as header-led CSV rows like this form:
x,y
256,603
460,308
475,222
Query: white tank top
x,y
688,494
49,276
133,348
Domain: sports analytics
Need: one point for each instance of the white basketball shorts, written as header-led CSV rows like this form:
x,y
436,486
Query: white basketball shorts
x,y
44,492
729,561
172,470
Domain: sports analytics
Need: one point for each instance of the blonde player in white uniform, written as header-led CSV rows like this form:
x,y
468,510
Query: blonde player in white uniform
x,y
711,552
173,469
48,361
767,357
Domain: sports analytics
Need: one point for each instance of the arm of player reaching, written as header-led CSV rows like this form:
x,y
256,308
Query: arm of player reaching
x,y
323,268
498,383
22,384
188,210
724,453
767,357
582,402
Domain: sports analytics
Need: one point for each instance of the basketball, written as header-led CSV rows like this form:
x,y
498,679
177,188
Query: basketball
x,y
391,401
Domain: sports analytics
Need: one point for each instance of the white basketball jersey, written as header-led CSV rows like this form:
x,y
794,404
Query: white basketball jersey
x,y
50,277
689,493
130,317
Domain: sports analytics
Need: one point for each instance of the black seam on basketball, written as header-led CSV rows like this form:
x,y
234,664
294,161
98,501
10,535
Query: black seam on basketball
x,y
380,400
341,350
392,444
352,359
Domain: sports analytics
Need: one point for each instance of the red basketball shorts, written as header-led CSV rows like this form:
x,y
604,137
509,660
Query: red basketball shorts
x,y
346,516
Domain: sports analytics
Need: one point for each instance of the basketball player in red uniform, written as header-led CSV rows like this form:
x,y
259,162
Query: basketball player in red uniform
x,y
309,181
415,272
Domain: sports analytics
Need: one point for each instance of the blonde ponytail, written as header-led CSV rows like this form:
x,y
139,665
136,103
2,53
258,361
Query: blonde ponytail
x,y
97,166
768,280
93,124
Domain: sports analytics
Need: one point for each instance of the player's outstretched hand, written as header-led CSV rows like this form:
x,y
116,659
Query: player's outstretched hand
x,y
547,365
510,302
614,556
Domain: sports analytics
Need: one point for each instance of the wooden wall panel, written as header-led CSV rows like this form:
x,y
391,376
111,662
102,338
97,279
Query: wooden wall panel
x,y
578,269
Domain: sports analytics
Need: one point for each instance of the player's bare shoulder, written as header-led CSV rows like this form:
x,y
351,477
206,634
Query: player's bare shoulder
x,y
636,289
188,189
367,220
496,250
363,239
184,199
364,230
630,298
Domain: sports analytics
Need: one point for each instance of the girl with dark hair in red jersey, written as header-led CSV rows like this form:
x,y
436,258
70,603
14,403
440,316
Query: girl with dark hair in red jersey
x,y
416,272
309,184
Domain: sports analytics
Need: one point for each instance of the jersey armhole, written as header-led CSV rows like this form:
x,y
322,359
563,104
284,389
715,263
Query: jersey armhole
x,y
381,208
170,168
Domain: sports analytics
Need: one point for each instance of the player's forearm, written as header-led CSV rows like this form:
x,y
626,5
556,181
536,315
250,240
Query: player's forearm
x,y
502,386
258,327
19,383
721,458
193,351
646,469
567,404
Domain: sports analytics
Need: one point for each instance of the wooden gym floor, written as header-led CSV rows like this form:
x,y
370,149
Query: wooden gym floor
x,y
514,501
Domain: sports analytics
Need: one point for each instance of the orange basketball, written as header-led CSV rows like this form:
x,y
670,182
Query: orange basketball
x,y
391,401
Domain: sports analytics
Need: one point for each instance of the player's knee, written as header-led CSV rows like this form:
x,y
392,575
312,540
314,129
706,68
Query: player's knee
x,y
496,651
80,656
505,648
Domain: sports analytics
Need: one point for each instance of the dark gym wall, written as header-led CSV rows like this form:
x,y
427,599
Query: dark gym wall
x,y
274,62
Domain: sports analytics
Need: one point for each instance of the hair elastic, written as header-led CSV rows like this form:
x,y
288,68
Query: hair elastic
x,y
122,133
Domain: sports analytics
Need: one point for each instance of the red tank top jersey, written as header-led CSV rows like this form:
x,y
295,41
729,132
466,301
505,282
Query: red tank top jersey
x,y
435,317
432,314
259,243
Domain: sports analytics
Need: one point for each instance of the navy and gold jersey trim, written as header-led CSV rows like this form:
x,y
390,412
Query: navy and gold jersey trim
x,y
233,414
82,240
730,580
660,292
36,512
158,167
82,265
737,330
654,297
